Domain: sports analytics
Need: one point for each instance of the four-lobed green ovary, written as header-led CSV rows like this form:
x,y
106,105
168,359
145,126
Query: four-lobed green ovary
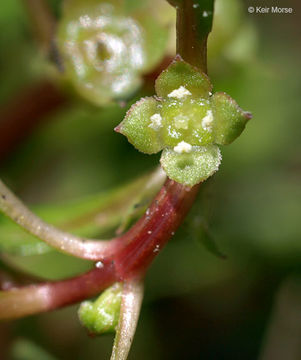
x,y
198,121
183,121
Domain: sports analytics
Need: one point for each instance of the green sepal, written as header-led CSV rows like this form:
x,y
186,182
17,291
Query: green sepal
x,y
229,119
102,316
180,73
136,126
191,168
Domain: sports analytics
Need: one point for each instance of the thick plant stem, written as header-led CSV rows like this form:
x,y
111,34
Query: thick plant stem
x,y
33,299
131,301
155,228
144,241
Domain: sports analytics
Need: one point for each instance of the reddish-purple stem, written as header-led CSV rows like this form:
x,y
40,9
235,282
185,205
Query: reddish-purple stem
x,y
144,241
141,243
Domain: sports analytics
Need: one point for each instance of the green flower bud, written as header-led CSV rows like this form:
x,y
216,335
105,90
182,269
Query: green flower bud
x,y
105,49
187,121
102,315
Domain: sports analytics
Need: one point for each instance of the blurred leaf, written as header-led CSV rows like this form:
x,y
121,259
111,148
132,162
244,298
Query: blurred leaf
x,y
200,232
92,216
24,349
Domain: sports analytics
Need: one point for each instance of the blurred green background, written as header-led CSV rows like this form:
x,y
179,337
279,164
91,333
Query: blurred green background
x,y
197,305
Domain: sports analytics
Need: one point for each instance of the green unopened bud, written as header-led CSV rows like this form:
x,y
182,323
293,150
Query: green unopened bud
x,y
102,315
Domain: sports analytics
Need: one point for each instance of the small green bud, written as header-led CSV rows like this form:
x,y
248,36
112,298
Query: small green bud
x,y
102,315
187,121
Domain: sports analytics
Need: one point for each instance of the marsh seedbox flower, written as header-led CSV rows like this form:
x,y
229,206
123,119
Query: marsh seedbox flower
x,y
105,47
186,121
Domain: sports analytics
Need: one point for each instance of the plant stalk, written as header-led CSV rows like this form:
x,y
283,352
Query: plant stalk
x,y
88,249
147,237
194,23
144,242
131,301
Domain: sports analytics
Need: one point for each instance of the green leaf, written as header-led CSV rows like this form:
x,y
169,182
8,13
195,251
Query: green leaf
x,y
180,73
141,126
102,316
193,167
200,232
23,349
229,119
155,42
77,217
92,216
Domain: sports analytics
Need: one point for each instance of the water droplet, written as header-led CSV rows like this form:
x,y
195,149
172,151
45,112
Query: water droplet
x,y
99,265
156,249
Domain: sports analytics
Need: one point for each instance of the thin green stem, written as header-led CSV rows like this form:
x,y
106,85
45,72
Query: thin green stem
x,y
194,23
12,207
131,301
